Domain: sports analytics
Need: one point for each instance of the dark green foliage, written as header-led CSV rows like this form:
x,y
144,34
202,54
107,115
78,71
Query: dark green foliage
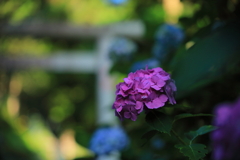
x,y
193,151
82,136
187,115
207,60
148,135
12,146
202,130
159,121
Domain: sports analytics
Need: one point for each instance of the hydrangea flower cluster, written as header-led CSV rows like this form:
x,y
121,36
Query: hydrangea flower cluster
x,y
143,89
168,38
226,139
108,139
122,49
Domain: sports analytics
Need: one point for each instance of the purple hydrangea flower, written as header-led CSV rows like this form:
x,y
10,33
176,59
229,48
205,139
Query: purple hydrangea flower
x,y
108,139
170,89
143,89
226,139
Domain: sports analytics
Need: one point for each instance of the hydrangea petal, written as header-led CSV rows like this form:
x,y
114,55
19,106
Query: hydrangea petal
x,y
127,115
158,102
156,87
133,117
139,106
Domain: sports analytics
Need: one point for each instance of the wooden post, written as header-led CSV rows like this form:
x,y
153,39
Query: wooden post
x,y
105,84
98,63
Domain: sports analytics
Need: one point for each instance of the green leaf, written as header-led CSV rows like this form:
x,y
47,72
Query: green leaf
x,y
202,130
193,151
187,115
207,60
148,135
159,121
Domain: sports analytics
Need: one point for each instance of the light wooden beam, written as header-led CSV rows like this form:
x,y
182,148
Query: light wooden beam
x,y
133,29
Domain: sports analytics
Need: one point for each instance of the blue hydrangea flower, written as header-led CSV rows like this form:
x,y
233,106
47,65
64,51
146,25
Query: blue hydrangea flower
x,y
150,63
122,49
168,38
117,2
157,143
108,139
218,24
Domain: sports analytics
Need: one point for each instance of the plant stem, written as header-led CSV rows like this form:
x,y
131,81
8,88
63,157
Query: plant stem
x,y
178,137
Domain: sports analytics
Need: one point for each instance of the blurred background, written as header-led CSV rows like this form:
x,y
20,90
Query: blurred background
x,y
61,59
